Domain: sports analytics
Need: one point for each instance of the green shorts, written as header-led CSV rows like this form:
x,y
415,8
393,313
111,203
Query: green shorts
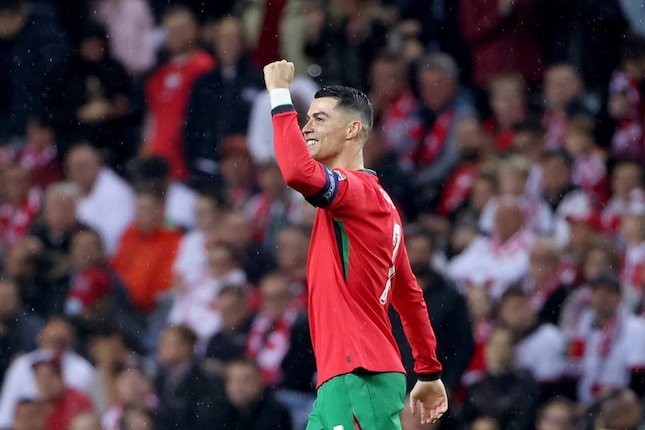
x,y
375,400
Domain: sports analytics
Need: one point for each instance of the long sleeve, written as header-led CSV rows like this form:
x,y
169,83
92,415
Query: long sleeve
x,y
300,171
408,301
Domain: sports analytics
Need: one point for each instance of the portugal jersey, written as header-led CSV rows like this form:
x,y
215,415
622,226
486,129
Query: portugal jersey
x,y
357,266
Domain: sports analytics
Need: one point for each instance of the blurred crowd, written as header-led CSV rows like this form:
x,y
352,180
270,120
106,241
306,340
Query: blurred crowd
x,y
153,262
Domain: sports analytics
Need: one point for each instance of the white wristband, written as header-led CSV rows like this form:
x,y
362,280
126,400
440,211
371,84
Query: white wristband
x,y
280,97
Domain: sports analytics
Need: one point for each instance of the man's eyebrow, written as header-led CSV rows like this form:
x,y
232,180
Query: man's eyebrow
x,y
317,114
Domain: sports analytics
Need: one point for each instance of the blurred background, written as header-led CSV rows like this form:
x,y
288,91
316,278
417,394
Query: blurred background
x,y
153,262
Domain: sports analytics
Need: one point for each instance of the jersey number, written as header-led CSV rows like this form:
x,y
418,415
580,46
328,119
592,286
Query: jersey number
x,y
396,242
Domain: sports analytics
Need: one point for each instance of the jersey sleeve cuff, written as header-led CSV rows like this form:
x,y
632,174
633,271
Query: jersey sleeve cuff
x,y
280,97
429,376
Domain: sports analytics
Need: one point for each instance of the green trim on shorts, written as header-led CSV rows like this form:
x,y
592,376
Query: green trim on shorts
x,y
374,399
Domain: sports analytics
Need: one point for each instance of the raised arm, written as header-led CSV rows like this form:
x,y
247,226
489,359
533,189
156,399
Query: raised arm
x,y
300,171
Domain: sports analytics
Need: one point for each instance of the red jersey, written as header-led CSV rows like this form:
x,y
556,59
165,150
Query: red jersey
x,y
167,95
71,404
357,265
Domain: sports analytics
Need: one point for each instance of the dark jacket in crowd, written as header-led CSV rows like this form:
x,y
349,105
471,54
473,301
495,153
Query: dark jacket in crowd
x,y
220,105
511,398
299,365
267,413
451,323
17,335
194,401
26,61
76,83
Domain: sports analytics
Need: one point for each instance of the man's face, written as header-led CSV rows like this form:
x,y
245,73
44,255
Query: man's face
x,y
181,33
149,213
82,167
8,300
326,129
243,384
56,336
561,86
437,88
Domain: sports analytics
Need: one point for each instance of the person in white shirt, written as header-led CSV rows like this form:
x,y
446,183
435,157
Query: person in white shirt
x,y
107,200
538,347
499,261
191,257
606,345
19,383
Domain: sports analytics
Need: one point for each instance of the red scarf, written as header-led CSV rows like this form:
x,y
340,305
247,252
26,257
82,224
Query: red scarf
x,y
434,140
15,221
268,343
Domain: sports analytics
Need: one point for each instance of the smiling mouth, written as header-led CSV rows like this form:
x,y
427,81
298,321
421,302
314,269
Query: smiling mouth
x,y
311,142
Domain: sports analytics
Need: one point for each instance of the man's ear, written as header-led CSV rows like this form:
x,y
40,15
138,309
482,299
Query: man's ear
x,y
354,129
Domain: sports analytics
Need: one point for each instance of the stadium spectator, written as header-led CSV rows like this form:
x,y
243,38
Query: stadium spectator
x,y
100,188
291,261
229,344
29,415
234,230
633,234
237,172
188,397
507,395
154,173
513,175
539,347
625,177
149,274
436,153
589,171
501,39
557,414
252,406
191,255
548,282
55,338
507,98
273,206
356,28
620,409
275,30
130,27
567,202
563,97
18,327
220,101
394,105
62,403
40,153
20,204
33,45
167,90
499,261
600,352
132,389
90,99
194,303
270,336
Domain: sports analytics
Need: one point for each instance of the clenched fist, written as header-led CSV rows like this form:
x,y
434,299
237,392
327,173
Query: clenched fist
x,y
278,74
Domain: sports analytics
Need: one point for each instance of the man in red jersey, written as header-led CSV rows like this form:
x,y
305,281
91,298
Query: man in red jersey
x,y
357,266
168,89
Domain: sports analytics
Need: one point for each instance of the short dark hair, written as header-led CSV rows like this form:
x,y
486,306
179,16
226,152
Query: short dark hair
x,y
350,99
185,333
